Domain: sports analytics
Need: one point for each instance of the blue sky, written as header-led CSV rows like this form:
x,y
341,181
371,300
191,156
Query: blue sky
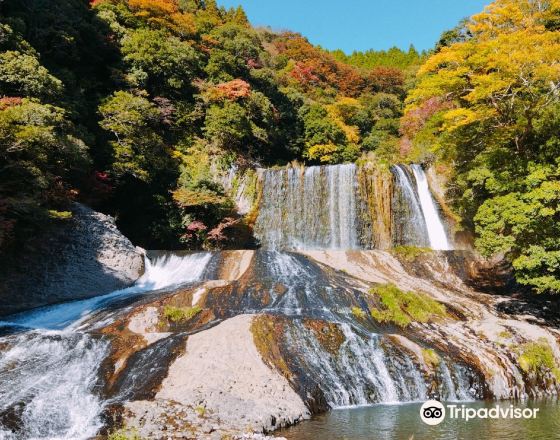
x,y
361,24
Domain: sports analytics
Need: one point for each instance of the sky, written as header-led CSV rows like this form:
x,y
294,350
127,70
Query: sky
x,y
361,24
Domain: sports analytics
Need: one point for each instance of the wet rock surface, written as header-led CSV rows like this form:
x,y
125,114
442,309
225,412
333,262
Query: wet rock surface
x,y
302,320
89,257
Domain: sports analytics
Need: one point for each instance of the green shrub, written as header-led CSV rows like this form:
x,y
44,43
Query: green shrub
x,y
535,357
409,253
180,314
358,312
402,308
430,357
124,434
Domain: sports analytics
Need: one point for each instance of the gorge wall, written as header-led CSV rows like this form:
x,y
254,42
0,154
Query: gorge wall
x,y
83,257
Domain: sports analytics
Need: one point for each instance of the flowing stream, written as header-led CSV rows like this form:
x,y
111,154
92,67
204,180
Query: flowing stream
x,y
49,360
49,382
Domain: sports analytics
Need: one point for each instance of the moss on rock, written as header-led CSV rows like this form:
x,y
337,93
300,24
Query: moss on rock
x,y
403,308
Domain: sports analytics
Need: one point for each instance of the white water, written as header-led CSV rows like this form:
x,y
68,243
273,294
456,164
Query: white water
x,y
409,223
49,376
163,272
49,381
436,230
309,208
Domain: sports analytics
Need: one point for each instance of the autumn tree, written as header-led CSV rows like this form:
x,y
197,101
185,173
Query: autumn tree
x,y
487,103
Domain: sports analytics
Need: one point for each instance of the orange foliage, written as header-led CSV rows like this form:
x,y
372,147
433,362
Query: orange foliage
x,y
231,90
386,79
165,13
9,101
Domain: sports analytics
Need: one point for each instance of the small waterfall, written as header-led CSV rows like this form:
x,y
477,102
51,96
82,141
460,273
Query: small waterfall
x,y
164,271
436,230
49,377
409,225
309,208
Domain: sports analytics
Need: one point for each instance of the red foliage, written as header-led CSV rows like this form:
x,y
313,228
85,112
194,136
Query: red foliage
x,y
415,119
304,74
9,101
196,226
317,68
386,79
253,64
217,235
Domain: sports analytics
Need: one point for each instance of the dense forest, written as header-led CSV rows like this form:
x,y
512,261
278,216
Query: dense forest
x,y
134,107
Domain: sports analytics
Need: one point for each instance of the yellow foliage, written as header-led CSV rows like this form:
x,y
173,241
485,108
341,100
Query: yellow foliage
x,y
337,113
322,152
164,13
510,66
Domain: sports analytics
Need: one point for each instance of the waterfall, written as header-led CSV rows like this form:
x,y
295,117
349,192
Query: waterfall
x,y
49,376
436,230
325,207
409,224
164,271
309,208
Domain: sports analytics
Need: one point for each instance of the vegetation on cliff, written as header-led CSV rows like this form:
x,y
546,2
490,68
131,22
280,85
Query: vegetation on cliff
x,y
487,107
137,106
403,308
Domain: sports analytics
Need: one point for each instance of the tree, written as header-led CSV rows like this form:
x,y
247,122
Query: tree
x,y
487,103
23,75
159,62
41,156
138,148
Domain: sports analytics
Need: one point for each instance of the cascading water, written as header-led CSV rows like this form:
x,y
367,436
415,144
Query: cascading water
x,y
323,208
409,224
164,271
436,230
309,208
49,374
416,218
49,371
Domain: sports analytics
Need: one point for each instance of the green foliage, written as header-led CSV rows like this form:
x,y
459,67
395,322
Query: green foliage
x,y
39,152
159,62
227,125
23,75
124,434
168,95
403,308
180,314
358,313
410,253
486,104
431,357
394,57
537,357
138,148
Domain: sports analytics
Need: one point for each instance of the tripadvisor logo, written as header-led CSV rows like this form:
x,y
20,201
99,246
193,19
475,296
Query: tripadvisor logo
x,y
433,412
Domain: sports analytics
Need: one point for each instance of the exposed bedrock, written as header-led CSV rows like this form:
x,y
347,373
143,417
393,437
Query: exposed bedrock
x,y
267,338
87,258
